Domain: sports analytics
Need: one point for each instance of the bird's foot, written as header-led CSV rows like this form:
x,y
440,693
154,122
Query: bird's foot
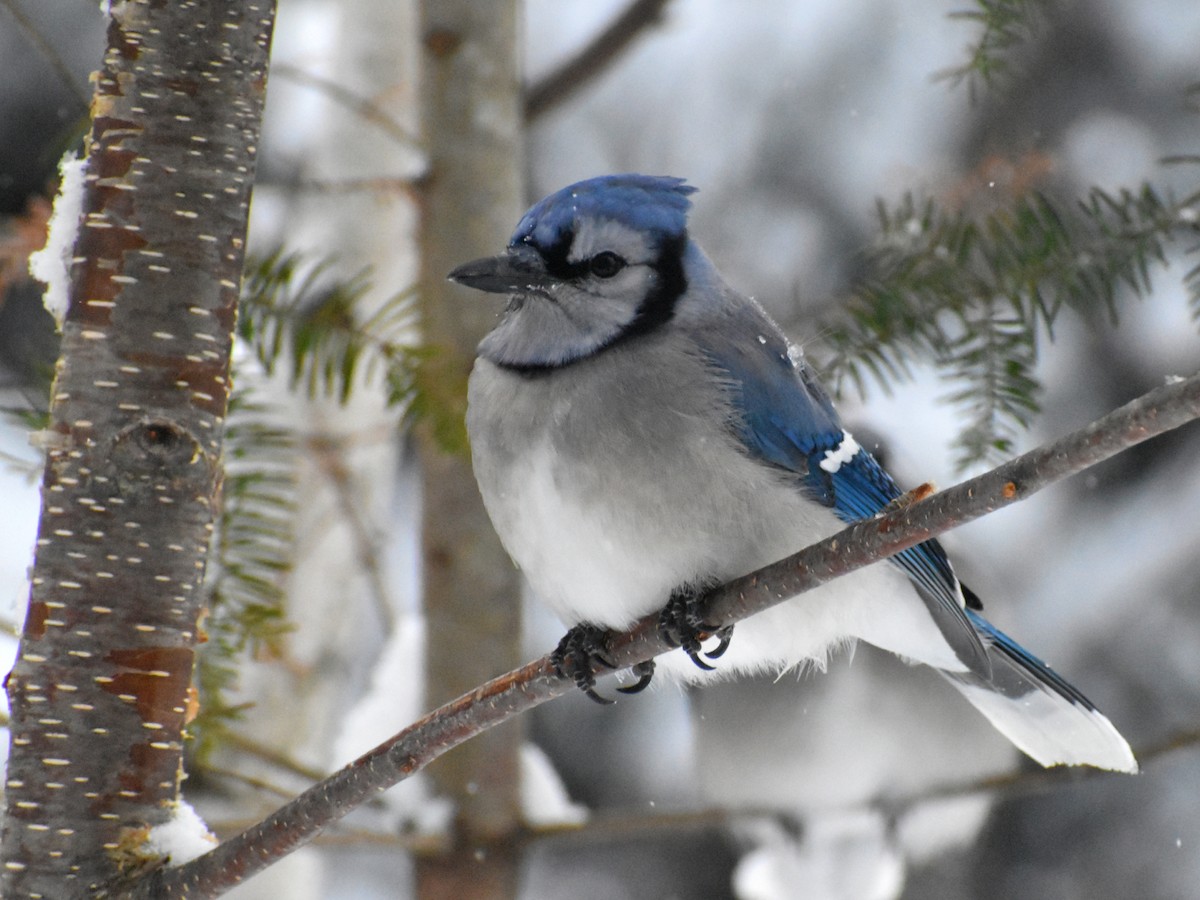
x,y
581,651
681,625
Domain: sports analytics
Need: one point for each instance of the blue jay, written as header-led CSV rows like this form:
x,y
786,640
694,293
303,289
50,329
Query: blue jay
x,y
641,431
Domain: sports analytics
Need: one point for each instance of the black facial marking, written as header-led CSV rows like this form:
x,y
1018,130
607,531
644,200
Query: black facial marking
x,y
656,309
659,306
555,256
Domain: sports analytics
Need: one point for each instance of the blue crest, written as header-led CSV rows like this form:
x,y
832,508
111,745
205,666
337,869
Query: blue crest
x,y
647,203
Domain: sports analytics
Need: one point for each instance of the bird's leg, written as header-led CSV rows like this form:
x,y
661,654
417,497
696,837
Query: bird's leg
x,y
580,651
681,625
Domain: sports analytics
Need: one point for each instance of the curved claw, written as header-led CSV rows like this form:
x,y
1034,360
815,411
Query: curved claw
x,y
695,655
645,673
590,693
680,625
725,634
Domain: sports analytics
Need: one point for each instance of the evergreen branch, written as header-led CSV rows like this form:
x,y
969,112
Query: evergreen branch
x,y
974,292
1191,280
1005,26
306,326
308,322
252,556
298,822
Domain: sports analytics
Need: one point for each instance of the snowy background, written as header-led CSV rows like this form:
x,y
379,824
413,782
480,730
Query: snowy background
x,y
792,118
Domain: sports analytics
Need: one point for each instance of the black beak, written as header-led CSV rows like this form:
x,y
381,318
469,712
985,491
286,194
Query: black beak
x,y
519,270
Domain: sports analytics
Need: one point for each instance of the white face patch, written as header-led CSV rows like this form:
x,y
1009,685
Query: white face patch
x,y
594,235
845,451
575,318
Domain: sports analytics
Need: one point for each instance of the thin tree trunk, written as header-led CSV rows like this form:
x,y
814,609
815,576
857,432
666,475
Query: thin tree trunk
x,y
472,129
101,688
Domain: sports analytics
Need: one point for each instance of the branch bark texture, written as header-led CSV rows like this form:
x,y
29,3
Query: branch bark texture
x,y
502,698
102,684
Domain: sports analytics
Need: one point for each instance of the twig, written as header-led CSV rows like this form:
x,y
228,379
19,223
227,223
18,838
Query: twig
x,y
247,745
1027,781
1013,783
236,741
365,107
406,186
593,59
259,784
863,543
51,55
345,835
332,465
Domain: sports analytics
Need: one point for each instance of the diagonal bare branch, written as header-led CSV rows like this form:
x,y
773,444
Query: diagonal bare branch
x,y
863,543
604,49
48,52
363,106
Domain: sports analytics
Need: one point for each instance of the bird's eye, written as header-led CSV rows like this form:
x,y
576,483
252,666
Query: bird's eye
x,y
605,264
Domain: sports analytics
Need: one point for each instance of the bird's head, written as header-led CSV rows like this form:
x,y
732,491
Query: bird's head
x,y
588,266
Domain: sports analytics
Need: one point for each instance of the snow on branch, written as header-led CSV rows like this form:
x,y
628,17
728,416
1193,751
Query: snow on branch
x,y
863,543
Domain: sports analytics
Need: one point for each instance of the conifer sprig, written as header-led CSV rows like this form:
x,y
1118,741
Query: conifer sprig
x,y
976,292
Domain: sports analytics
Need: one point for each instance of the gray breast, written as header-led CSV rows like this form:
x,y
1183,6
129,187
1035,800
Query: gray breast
x,y
615,480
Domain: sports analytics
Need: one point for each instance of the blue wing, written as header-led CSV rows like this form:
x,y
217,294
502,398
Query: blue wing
x,y
787,419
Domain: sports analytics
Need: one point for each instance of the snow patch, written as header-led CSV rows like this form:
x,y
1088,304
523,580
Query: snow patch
x,y
393,700
183,838
52,264
842,856
934,827
544,798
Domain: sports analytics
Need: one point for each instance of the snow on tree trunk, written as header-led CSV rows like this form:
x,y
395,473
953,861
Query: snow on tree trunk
x,y
101,689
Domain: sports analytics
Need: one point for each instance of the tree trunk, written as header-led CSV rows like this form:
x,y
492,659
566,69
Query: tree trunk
x,y
472,128
101,688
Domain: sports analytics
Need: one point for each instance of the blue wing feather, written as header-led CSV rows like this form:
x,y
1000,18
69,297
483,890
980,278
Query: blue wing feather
x,y
786,418
1037,672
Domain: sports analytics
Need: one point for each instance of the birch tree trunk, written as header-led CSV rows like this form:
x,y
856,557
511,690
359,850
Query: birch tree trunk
x,y
472,128
101,688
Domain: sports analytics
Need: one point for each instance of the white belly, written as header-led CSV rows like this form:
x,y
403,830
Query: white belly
x,y
605,530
